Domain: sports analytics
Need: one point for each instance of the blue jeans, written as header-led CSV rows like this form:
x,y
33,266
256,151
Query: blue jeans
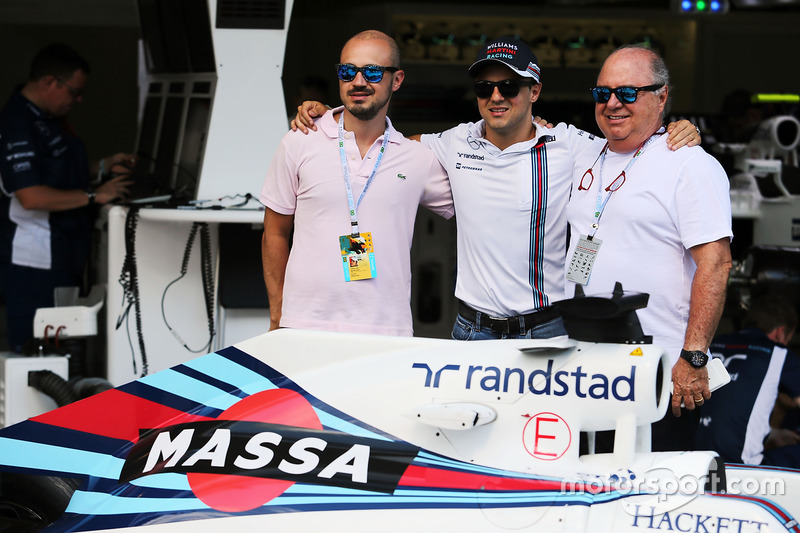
x,y
464,330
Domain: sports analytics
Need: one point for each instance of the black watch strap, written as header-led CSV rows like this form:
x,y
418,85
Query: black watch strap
x,y
696,358
91,195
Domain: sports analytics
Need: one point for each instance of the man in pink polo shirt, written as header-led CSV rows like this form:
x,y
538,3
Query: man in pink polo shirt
x,y
346,196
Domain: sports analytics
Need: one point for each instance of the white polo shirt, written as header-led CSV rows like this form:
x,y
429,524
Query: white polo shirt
x,y
510,214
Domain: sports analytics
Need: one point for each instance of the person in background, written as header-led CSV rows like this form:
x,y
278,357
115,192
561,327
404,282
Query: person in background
x,y
739,118
47,189
735,422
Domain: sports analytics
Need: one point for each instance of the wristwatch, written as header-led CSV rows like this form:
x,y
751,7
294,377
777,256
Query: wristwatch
x,y
696,358
91,195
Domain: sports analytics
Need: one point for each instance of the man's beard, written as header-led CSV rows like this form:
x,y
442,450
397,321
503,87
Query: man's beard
x,y
367,111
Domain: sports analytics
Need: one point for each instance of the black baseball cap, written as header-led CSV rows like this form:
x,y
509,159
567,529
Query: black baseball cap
x,y
512,53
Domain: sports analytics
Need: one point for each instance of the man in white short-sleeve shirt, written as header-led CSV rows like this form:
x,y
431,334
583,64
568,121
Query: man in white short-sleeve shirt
x,y
655,220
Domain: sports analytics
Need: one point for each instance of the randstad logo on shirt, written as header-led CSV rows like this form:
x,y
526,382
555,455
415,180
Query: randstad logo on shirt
x,y
471,156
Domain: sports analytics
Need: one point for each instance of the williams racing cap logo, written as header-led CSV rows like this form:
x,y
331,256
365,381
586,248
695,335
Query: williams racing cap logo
x,y
260,447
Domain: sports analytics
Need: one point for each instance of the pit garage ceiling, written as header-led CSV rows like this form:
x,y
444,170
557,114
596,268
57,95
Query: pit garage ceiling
x,y
69,12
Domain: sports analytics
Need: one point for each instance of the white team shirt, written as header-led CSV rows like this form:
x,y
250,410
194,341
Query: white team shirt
x,y
669,202
510,214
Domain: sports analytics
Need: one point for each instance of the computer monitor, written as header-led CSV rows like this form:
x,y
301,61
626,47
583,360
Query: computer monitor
x,y
148,132
180,64
177,36
193,142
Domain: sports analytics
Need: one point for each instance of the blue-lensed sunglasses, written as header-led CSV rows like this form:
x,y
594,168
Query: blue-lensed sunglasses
x,y
371,73
626,95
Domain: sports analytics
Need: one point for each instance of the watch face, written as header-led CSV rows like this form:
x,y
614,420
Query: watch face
x,y
696,358
699,359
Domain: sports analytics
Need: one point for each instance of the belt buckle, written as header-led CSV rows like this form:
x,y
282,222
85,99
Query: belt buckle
x,y
497,321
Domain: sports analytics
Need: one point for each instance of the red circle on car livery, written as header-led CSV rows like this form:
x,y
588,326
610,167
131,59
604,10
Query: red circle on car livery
x,y
232,493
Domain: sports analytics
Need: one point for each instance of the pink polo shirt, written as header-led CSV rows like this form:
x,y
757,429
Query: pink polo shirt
x,y
305,179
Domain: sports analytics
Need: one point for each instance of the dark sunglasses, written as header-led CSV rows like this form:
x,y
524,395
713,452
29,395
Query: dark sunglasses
x,y
626,95
507,88
371,73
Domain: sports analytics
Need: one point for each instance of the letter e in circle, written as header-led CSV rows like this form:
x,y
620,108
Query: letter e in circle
x,y
546,436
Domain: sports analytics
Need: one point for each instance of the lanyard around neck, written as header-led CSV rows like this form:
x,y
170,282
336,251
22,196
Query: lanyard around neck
x,y
346,173
600,203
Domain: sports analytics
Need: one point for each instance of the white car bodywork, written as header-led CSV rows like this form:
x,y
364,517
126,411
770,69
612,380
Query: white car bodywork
x,y
487,433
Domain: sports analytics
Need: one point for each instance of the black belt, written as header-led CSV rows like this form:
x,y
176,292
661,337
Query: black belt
x,y
508,324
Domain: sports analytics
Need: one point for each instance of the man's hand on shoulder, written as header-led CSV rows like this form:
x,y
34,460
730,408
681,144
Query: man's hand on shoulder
x,y
306,113
682,133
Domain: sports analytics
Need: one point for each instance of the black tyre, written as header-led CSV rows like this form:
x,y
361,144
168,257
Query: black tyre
x,y
30,503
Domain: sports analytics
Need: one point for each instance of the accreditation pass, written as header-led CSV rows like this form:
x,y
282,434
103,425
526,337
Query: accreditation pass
x,y
358,256
580,266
